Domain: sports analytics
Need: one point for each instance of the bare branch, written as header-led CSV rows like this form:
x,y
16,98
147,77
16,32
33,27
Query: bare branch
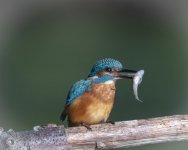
x,y
103,136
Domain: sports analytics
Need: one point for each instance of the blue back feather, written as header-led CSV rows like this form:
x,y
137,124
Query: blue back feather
x,y
77,89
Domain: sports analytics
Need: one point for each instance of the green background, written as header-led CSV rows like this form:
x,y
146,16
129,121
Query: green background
x,y
50,47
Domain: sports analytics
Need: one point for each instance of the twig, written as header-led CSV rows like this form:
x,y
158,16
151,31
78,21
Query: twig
x,y
102,136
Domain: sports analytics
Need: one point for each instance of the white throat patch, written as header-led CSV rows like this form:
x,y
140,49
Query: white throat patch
x,y
109,82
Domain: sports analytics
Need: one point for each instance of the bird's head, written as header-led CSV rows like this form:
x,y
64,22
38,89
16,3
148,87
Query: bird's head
x,y
111,67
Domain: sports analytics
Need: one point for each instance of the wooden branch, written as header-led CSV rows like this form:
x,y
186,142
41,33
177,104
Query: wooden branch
x,y
103,136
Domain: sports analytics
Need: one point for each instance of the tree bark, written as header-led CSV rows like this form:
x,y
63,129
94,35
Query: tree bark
x,y
102,136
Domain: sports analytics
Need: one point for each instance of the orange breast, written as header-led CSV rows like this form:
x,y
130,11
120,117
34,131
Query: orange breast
x,y
92,107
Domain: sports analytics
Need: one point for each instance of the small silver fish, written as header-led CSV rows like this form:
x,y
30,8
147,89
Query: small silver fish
x,y
137,79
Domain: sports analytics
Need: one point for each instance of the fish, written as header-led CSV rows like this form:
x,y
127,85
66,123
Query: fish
x,y
137,79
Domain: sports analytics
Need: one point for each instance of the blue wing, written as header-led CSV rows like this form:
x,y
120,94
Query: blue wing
x,y
78,89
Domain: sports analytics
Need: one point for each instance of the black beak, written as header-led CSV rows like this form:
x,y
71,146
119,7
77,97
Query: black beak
x,y
125,73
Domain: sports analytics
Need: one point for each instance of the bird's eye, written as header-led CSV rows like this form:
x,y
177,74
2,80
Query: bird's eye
x,y
108,69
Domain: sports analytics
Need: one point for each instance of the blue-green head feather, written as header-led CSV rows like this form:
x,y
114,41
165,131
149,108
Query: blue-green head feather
x,y
104,65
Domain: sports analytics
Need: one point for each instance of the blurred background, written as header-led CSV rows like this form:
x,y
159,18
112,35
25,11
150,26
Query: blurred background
x,y
45,46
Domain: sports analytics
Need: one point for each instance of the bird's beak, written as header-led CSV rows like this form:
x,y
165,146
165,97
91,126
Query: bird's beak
x,y
125,73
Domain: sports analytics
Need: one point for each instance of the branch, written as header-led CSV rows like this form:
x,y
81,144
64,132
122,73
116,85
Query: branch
x,y
103,136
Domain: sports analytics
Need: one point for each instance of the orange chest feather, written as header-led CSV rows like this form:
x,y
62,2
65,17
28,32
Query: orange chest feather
x,y
103,92
93,106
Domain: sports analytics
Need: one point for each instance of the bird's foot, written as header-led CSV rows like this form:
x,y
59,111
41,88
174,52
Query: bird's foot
x,y
111,122
86,125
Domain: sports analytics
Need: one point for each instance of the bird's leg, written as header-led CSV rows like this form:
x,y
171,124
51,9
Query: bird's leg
x,y
108,121
86,125
111,122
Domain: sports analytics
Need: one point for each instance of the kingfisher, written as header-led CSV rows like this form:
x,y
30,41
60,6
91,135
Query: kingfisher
x,y
90,100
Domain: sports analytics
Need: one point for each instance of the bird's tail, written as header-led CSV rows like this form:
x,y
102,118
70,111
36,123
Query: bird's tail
x,y
63,114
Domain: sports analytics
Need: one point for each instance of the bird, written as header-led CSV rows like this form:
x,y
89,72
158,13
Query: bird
x,y
90,100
